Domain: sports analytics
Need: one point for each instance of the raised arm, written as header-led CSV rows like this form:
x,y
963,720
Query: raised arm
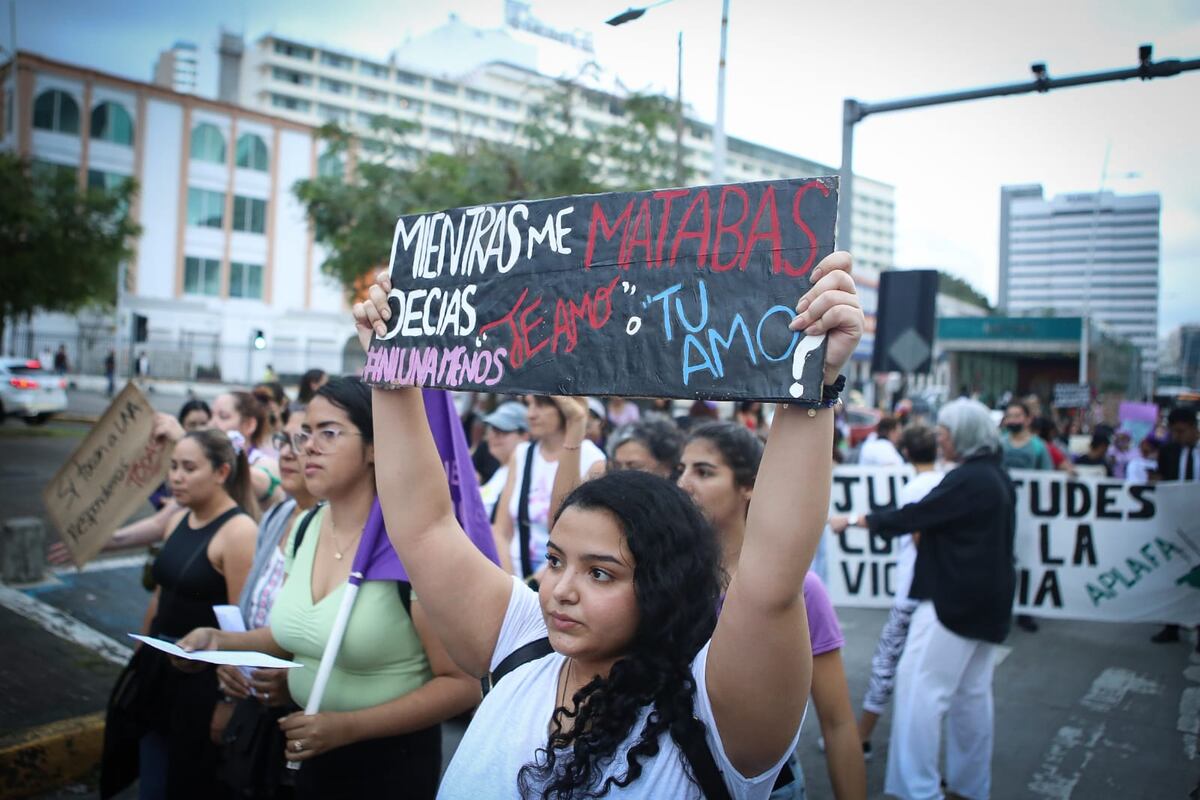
x,y
760,661
566,477
464,594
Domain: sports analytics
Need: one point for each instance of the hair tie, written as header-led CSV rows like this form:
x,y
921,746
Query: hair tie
x,y
238,441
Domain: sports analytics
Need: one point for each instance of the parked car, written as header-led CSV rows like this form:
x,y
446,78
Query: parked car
x,y
30,392
862,422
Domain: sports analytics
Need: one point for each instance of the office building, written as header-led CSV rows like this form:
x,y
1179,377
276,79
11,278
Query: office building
x,y
226,249
176,68
1086,253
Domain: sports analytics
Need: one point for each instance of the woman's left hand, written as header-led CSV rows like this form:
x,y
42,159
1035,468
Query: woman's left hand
x,y
310,736
838,524
831,307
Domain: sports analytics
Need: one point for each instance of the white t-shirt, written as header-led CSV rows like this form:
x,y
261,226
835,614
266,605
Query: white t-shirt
x,y
513,721
879,452
906,555
541,485
490,492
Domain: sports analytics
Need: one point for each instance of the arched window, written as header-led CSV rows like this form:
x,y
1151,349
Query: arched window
x,y
208,144
252,152
112,123
329,165
55,110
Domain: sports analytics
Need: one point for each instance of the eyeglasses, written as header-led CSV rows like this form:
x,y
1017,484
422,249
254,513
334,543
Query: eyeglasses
x,y
280,441
323,440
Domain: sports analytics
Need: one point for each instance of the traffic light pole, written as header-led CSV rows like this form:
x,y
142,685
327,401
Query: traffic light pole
x,y
855,111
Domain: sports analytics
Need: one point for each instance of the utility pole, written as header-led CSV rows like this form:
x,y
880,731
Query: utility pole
x,y
718,134
855,111
680,175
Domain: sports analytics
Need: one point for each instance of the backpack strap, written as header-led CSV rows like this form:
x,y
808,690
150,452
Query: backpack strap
x,y
523,532
695,749
522,655
405,589
303,529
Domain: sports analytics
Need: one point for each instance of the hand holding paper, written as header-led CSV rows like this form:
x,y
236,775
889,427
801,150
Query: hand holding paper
x,y
236,658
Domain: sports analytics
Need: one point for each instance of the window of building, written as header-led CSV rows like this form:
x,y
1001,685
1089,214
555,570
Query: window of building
x,y
329,165
408,104
98,179
372,70
478,120
245,280
439,135
444,112
202,276
290,103
507,104
333,113
373,146
205,209
337,87
48,171
365,120
208,143
293,50
372,96
252,152
442,87
55,110
504,125
249,214
476,96
291,76
112,123
409,78
336,61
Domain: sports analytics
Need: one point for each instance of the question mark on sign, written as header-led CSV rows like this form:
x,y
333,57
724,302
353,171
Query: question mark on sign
x,y
799,358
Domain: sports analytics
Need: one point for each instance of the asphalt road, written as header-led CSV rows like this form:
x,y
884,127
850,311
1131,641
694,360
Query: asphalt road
x,y
1083,710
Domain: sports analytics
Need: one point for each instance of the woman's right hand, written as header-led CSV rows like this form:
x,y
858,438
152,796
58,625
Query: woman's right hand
x,y
198,639
58,555
372,314
166,428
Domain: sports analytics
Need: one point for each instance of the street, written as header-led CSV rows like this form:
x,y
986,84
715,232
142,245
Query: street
x,y
1083,710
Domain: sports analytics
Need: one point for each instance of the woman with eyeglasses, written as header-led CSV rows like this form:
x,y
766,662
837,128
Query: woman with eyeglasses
x,y
204,562
378,734
252,760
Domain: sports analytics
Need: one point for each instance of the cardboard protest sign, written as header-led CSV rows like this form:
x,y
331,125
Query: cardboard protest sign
x,y
108,476
670,293
1086,548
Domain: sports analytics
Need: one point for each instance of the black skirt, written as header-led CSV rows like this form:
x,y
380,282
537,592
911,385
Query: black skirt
x,y
406,767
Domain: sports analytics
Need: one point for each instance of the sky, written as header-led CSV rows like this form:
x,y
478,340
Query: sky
x,y
790,65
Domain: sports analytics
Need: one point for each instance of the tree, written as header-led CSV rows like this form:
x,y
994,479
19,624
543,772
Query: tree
x,y
553,154
60,248
961,290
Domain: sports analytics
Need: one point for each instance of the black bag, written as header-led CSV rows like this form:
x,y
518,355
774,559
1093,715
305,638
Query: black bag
x,y
252,747
523,516
123,728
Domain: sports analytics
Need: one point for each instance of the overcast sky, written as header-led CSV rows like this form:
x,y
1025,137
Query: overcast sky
x,y
790,65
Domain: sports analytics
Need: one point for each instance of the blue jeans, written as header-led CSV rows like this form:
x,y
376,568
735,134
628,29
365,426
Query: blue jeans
x,y
795,789
152,757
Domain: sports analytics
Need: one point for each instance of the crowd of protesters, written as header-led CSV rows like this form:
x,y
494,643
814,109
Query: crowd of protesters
x,y
644,609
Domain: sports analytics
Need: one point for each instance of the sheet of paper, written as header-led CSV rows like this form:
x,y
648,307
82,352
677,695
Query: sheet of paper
x,y
236,658
230,619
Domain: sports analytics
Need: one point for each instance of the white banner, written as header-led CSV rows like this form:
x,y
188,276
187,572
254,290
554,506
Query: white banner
x,y
1086,548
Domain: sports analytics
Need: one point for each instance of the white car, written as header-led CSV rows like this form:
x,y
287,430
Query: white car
x,y
30,392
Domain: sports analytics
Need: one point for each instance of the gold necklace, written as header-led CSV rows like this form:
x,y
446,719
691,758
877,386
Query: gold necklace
x,y
338,552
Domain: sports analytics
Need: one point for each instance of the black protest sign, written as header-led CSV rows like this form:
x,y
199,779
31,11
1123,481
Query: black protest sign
x,y
669,293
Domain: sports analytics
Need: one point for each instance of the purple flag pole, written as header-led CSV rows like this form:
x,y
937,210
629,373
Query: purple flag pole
x,y
376,559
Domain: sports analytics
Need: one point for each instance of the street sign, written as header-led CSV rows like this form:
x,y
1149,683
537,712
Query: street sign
x,y
1072,395
904,321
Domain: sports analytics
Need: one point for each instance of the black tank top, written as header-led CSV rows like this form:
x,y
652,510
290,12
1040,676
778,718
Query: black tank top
x,y
190,584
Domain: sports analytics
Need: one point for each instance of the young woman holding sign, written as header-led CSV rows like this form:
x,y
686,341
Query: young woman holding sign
x,y
641,670
378,733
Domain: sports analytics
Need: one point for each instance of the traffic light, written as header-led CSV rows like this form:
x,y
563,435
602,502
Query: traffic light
x,y
141,325
260,339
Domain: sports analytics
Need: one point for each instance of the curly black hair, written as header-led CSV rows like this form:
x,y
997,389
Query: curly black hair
x,y
677,581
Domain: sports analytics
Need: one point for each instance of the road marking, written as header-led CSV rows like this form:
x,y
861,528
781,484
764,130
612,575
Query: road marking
x,y
1074,744
64,625
102,565
1002,652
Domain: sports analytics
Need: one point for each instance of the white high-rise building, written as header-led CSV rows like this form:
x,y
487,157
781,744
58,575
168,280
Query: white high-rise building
x,y
460,82
1089,254
176,68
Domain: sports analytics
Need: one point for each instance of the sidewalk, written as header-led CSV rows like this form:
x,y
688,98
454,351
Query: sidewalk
x,y
159,389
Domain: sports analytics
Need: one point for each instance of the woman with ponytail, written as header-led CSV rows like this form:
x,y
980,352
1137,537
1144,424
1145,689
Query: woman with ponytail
x,y
645,676
245,414
204,562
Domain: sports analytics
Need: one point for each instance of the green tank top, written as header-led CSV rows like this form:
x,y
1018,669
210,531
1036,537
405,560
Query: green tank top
x,y
381,657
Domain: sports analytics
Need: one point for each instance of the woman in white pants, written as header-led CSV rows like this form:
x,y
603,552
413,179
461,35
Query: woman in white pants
x,y
964,582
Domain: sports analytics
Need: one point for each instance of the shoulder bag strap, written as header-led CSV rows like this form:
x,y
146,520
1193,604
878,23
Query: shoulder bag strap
x,y
522,655
304,523
523,513
695,749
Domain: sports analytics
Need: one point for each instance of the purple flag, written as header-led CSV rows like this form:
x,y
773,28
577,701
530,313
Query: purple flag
x,y
376,559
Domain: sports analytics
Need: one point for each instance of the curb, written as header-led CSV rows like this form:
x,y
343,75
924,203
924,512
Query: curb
x,y
49,756
85,419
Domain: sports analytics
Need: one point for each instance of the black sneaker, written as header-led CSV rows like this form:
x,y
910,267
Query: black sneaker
x,y
867,752
1027,623
1168,634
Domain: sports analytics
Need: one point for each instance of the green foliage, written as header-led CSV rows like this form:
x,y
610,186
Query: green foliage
x,y
60,249
961,290
553,154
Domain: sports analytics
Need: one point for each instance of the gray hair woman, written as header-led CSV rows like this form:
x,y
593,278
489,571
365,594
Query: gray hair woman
x,y
964,581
